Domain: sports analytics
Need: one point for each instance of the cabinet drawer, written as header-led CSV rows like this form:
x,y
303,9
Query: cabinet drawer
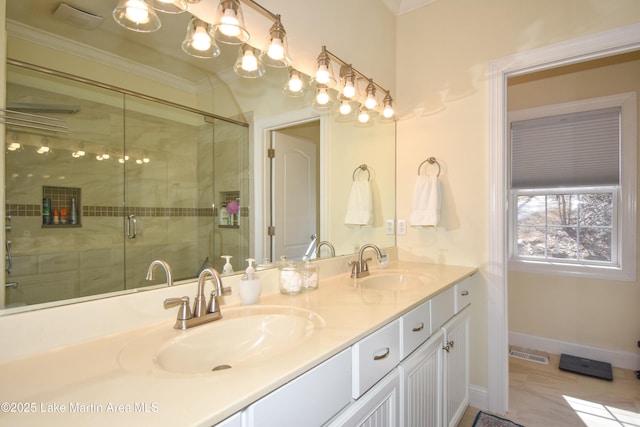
x,y
415,328
309,400
374,356
442,307
463,294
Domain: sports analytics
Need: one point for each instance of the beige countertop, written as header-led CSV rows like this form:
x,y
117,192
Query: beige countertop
x,y
87,383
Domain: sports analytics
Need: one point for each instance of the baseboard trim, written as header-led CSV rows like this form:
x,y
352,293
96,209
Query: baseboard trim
x,y
619,359
478,397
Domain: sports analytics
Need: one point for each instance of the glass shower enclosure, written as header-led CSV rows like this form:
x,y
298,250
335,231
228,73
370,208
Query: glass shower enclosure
x,y
100,182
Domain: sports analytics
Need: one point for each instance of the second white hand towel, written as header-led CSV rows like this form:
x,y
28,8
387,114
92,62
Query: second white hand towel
x,y
360,204
426,202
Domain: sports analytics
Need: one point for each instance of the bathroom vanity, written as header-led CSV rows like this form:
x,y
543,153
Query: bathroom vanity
x,y
351,351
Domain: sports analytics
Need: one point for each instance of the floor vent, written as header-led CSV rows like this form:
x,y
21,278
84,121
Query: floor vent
x,y
531,355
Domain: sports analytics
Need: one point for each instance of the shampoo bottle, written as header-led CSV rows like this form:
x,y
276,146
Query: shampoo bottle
x,y
223,216
249,285
227,268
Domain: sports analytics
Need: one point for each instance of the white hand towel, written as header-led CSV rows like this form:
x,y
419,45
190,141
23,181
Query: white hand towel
x,y
426,202
360,205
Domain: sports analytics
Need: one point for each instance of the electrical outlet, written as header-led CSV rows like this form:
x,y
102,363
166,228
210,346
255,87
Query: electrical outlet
x,y
402,227
390,227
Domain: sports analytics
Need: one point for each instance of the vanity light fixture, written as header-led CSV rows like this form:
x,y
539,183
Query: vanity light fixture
x,y
324,73
229,25
136,15
296,85
248,64
349,78
172,7
198,42
276,53
370,101
387,109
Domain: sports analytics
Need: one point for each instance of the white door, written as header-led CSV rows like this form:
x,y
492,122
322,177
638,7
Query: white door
x,y
293,194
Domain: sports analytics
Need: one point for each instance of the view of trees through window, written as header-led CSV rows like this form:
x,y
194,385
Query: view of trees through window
x,y
570,226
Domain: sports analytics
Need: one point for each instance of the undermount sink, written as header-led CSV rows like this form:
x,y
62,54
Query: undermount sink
x,y
395,280
244,336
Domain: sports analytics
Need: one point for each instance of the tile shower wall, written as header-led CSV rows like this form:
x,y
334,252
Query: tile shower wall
x,y
171,196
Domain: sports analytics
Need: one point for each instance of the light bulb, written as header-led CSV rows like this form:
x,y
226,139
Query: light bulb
x,y
145,159
229,23
363,116
13,146
322,97
137,11
201,40
139,161
322,75
388,111
345,108
370,102
276,49
43,150
98,157
249,61
349,90
295,84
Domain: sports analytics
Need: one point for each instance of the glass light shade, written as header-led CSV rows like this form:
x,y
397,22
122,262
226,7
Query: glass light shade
x,y
248,64
276,52
296,84
349,82
229,26
370,100
322,99
198,42
387,110
324,73
168,6
136,15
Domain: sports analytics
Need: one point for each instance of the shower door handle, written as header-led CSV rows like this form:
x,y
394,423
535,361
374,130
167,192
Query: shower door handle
x,y
131,226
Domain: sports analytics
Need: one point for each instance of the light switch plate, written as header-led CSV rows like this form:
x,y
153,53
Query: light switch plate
x,y
390,227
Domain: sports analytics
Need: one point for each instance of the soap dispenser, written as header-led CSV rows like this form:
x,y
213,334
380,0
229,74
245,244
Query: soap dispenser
x,y
249,285
227,268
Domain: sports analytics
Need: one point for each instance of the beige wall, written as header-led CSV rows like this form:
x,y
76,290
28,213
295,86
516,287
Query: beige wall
x,y
442,93
596,313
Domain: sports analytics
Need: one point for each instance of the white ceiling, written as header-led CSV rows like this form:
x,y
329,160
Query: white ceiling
x,y
398,7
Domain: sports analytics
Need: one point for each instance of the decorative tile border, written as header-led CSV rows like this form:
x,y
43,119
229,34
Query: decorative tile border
x,y
24,210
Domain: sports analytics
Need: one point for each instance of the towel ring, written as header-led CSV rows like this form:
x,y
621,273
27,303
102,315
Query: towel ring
x,y
430,160
360,168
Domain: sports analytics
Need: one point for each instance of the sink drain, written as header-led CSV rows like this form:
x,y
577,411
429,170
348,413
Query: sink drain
x,y
221,368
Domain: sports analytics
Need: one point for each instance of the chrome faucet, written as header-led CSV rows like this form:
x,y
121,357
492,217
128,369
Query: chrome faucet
x,y
167,270
202,312
360,268
332,250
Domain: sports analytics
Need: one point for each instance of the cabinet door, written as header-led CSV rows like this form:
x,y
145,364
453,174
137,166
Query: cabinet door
x,y
309,400
456,367
376,408
421,384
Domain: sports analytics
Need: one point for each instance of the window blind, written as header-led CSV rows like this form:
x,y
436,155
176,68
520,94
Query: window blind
x,y
576,149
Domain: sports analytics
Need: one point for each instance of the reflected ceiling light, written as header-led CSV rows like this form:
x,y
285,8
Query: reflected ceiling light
x,y
387,110
44,148
173,7
276,53
229,25
136,15
364,115
349,78
198,42
296,85
345,107
324,74
370,101
322,96
13,146
248,64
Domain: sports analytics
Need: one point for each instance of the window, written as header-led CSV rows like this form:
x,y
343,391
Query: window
x,y
573,185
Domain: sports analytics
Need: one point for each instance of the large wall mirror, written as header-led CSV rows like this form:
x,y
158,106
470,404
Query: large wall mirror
x,y
168,141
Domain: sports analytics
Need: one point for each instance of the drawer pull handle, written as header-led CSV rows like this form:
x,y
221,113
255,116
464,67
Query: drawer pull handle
x,y
419,328
465,293
382,356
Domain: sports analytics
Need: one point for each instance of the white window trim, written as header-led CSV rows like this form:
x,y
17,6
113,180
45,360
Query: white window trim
x,y
625,270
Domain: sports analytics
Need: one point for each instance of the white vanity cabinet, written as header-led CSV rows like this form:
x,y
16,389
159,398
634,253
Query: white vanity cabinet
x,y
456,368
309,400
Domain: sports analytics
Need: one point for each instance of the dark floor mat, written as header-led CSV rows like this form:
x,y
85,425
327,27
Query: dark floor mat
x,y
589,367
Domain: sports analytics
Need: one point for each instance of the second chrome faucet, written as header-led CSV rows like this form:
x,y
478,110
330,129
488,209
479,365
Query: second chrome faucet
x,y
202,312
